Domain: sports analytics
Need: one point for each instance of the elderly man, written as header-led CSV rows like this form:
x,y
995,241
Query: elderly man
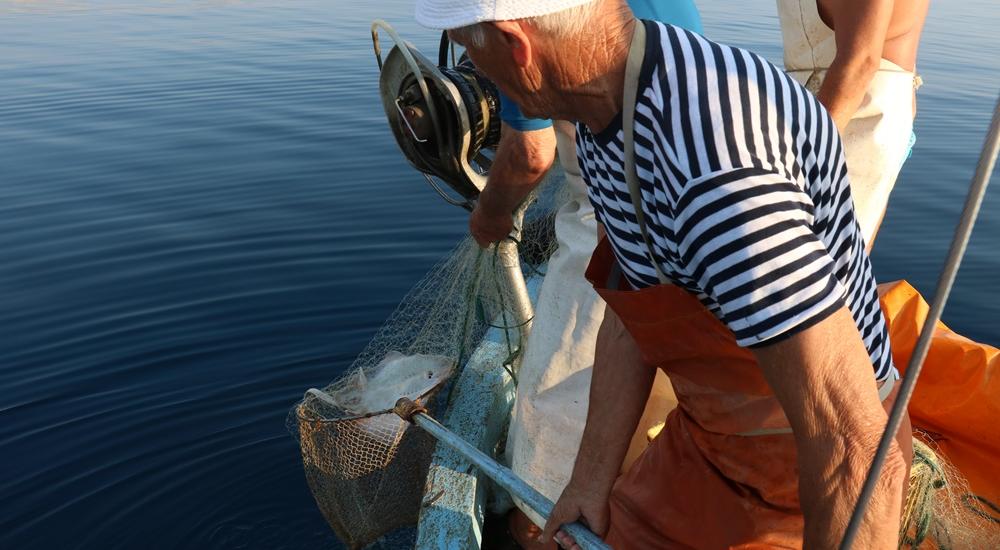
x,y
859,57
733,261
551,405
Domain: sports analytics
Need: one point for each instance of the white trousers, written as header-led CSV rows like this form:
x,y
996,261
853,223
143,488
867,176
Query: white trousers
x,y
877,139
554,381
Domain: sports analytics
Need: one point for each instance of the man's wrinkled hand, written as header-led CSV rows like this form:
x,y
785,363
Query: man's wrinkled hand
x,y
487,228
579,502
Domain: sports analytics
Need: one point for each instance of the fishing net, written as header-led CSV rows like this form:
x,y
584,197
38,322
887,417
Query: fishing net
x,y
365,466
940,512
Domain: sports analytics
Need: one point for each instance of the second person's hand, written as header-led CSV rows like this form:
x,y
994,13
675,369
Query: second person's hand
x,y
487,228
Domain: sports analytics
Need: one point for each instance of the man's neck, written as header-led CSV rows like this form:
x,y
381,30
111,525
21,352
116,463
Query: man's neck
x,y
593,93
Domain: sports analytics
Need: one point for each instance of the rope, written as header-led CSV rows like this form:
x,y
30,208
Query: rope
x,y
470,294
977,189
503,303
967,500
512,352
508,364
531,267
926,477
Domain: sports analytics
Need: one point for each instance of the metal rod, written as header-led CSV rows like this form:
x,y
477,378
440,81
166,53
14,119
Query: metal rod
x,y
520,306
466,204
404,49
503,476
974,200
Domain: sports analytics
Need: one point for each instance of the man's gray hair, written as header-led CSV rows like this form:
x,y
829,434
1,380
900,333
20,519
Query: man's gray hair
x,y
559,24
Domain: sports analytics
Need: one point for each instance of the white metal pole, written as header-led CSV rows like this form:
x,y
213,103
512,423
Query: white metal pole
x,y
520,305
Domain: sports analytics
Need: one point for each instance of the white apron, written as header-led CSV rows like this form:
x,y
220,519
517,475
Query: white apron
x,y
554,381
877,139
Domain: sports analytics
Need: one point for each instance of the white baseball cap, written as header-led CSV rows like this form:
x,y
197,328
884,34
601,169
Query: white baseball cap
x,y
451,14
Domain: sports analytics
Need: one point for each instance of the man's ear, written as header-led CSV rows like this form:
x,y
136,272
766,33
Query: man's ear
x,y
512,34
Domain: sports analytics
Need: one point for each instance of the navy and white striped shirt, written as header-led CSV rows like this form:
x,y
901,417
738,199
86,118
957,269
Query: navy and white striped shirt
x,y
745,194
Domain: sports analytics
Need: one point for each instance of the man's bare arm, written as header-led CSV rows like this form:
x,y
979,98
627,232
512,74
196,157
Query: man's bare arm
x,y
823,378
521,162
860,27
618,392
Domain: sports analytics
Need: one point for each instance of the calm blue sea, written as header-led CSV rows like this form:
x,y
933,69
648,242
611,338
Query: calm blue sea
x,y
202,214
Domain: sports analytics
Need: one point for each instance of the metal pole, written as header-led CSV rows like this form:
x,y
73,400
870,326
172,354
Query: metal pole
x,y
503,476
520,305
977,189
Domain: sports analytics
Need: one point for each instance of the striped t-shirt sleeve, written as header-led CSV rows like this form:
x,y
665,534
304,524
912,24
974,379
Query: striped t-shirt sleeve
x,y
745,237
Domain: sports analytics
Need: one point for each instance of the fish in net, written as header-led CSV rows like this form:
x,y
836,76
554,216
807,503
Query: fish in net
x,y
365,466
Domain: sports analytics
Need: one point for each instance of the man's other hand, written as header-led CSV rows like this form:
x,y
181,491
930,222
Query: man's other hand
x,y
488,228
581,500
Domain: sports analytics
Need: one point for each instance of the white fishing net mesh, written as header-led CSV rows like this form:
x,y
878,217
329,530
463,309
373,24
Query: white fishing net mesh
x,y
940,511
365,466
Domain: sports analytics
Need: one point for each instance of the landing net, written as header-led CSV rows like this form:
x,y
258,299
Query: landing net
x,y
366,467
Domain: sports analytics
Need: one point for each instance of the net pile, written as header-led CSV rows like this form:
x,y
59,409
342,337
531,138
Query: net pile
x,y
365,466
940,512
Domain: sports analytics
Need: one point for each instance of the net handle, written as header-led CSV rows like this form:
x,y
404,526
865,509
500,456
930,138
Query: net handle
x,y
410,411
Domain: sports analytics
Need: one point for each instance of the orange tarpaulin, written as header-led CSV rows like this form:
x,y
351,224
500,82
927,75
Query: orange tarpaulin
x,y
957,398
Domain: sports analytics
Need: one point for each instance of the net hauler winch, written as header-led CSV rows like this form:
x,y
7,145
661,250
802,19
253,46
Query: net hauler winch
x,y
446,118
